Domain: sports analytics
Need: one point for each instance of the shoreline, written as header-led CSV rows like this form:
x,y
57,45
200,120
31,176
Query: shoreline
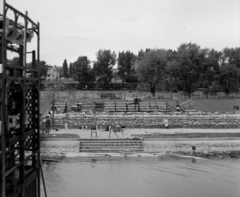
x,y
169,155
54,147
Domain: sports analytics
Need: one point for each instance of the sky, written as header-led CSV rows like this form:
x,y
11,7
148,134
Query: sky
x,y
73,28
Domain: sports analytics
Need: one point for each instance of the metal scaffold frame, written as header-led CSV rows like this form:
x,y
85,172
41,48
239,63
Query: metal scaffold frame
x,y
19,104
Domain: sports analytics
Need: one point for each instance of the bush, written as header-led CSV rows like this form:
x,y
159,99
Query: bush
x,y
131,79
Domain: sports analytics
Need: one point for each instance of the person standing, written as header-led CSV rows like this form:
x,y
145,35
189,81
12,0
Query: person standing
x,y
127,105
43,125
177,107
58,110
165,120
135,102
48,124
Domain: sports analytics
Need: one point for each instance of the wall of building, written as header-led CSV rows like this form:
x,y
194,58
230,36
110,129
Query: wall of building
x,y
52,74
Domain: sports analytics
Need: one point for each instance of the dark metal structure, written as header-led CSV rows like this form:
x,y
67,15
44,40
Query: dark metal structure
x,y
19,90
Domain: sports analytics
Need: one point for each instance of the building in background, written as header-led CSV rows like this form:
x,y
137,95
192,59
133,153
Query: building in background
x,y
52,73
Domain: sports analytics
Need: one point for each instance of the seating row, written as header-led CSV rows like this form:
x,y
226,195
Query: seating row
x,y
124,107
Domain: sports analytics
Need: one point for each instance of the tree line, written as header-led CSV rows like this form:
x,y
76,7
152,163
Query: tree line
x,y
186,69
101,70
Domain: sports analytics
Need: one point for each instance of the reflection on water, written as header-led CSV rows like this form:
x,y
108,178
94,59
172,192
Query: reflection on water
x,y
137,177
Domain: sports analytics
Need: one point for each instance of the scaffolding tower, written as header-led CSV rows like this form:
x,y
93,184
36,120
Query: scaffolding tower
x,y
19,105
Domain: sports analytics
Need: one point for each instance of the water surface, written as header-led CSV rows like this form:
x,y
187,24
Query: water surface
x,y
142,177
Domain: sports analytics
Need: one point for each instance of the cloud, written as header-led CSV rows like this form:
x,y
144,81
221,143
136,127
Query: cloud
x,y
191,25
131,19
73,35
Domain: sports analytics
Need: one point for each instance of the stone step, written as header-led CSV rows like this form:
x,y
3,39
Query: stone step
x,y
110,149
119,149
110,139
113,141
111,145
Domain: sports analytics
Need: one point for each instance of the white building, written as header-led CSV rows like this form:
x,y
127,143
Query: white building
x,y
52,73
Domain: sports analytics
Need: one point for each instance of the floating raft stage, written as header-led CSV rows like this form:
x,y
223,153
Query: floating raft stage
x,y
111,145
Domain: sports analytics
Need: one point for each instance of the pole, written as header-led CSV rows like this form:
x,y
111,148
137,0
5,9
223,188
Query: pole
x,y
44,186
38,63
3,102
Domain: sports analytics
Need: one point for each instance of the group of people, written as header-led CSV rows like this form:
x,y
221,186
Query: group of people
x,y
46,124
136,102
235,107
55,109
178,109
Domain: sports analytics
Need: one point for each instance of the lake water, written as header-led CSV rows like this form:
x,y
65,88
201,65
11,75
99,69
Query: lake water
x,y
142,177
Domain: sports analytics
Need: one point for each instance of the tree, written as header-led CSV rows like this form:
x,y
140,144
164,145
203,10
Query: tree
x,y
60,70
126,62
231,55
103,66
43,66
141,53
84,73
131,79
71,73
151,68
209,68
228,78
187,67
73,69
169,83
65,69
53,87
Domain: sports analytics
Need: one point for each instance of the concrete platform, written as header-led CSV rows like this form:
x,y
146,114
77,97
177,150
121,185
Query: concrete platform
x,y
151,146
129,133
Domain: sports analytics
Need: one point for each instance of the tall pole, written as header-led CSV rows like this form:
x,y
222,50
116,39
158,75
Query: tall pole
x,y
3,102
38,155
